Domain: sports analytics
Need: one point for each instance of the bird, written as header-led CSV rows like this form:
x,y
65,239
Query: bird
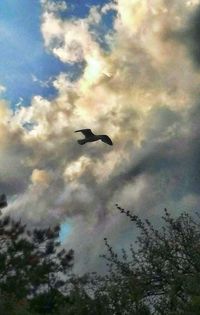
x,y
3,201
91,137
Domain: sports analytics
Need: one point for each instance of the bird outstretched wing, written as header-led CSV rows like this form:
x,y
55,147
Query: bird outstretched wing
x,y
106,139
87,132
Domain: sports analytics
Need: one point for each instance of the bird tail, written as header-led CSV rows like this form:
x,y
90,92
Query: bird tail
x,y
82,141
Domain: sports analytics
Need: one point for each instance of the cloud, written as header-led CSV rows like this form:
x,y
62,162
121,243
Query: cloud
x,y
189,35
52,6
143,92
2,89
70,41
40,177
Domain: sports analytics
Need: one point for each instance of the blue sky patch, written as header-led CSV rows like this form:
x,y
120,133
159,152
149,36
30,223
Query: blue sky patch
x,y
25,64
65,230
23,54
103,28
80,8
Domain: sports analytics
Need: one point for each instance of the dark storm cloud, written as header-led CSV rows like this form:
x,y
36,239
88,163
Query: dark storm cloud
x,y
13,186
173,163
189,35
192,36
193,152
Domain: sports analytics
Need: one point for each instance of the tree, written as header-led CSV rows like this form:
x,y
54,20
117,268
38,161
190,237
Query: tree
x,y
32,264
161,275
10,305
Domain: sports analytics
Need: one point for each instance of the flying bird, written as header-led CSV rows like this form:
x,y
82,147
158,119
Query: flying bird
x,y
91,137
3,201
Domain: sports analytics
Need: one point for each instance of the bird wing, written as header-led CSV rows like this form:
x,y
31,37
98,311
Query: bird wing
x,y
87,132
106,139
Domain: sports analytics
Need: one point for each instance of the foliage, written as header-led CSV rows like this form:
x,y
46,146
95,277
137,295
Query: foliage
x,y
161,274
32,264
9,304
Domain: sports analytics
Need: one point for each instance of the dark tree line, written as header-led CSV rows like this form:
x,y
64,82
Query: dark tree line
x,y
160,274
32,266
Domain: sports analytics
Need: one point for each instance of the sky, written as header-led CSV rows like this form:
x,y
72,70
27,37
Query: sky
x,y
126,68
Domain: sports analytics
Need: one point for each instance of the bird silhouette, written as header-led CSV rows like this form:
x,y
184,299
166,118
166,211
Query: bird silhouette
x,y
91,137
3,201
